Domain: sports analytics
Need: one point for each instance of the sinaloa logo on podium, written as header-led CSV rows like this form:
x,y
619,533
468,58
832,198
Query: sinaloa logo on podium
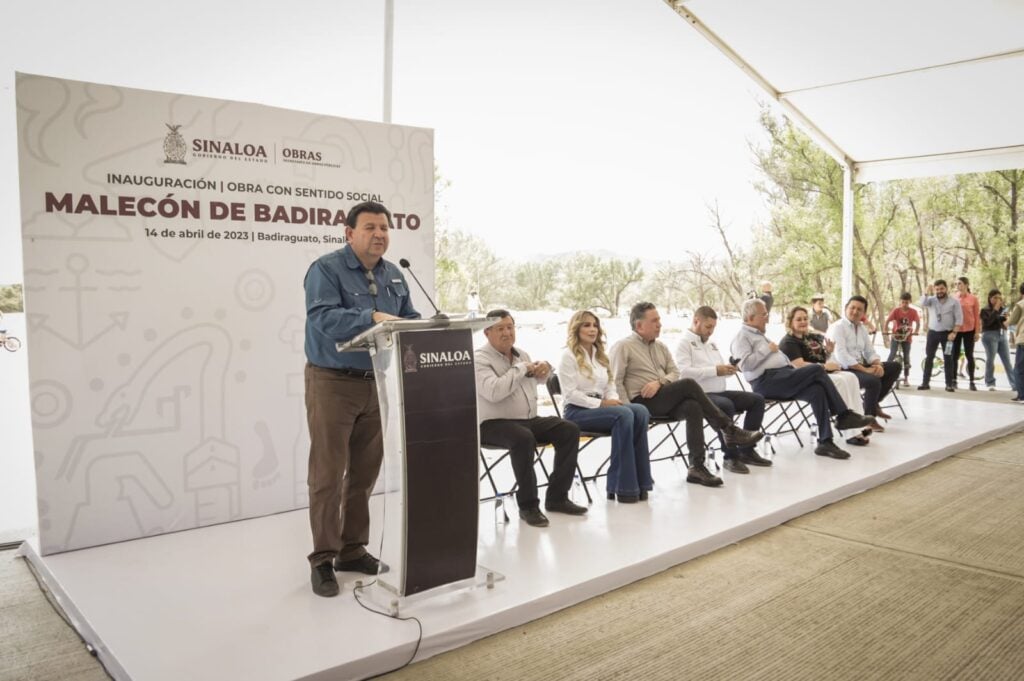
x,y
444,359
409,361
174,145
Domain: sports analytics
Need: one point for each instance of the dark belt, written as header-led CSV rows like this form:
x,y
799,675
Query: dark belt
x,y
357,373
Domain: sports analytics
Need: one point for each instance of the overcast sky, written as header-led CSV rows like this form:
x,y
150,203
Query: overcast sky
x,y
596,124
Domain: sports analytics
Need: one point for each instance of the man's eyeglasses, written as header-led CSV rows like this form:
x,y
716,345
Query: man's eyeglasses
x,y
371,282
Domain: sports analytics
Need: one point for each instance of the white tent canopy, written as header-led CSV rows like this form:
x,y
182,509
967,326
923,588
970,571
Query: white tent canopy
x,y
894,88
890,88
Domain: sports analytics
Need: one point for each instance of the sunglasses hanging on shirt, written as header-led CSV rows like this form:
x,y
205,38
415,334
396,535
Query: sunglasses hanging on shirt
x,y
371,283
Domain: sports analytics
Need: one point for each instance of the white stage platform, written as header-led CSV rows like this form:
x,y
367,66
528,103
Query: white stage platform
x,y
234,602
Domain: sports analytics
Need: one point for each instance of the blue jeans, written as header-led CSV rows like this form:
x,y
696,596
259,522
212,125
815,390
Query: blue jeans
x,y
995,344
1019,368
629,471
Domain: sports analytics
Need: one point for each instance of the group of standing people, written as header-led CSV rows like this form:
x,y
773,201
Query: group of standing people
x,y
956,323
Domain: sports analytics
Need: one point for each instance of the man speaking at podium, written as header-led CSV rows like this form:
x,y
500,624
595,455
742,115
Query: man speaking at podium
x,y
347,292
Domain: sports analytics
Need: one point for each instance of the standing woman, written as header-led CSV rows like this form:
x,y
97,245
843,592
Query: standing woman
x,y
1016,326
803,345
970,332
993,338
592,403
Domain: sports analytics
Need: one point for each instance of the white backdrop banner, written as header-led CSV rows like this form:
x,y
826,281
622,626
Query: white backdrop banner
x,y
166,238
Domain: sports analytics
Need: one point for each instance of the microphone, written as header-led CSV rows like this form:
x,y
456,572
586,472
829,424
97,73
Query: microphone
x,y
405,265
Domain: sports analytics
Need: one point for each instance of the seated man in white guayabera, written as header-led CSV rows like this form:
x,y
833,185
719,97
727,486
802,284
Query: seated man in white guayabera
x,y
698,358
855,354
771,374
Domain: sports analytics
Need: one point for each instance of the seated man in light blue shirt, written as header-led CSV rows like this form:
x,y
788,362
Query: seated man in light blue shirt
x,y
854,353
945,319
772,375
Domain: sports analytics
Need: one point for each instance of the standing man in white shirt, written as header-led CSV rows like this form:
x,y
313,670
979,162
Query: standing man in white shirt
x,y
699,358
854,353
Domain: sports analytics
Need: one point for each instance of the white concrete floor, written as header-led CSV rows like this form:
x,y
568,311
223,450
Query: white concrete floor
x,y
233,601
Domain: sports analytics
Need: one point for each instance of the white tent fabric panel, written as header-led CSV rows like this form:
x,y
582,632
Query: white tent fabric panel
x,y
967,107
797,44
897,89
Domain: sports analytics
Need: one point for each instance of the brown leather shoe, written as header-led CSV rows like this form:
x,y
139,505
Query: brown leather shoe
x,y
533,517
737,437
365,563
829,449
700,476
566,506
735,466
752,458
324,582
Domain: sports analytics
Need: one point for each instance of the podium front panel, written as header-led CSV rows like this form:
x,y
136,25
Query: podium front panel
x,y
441,452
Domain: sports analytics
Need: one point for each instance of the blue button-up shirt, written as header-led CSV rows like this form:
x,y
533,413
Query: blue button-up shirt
x,y
943,314
339,306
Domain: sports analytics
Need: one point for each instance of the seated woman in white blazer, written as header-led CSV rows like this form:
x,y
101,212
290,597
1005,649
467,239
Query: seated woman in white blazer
x,y
591,402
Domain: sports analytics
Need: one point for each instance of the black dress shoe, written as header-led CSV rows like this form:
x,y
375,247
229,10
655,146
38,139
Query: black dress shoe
x,y
365,563
643,495
701,476
624,498
324,582
737,437
533,517
829,449
851,420
924,387
735,466
974,387
752,458
565,506
950,389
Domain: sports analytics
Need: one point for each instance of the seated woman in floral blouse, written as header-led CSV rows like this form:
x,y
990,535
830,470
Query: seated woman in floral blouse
x,y
803,346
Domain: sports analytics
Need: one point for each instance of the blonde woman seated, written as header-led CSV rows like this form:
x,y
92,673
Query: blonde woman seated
x,y
803,345
592,403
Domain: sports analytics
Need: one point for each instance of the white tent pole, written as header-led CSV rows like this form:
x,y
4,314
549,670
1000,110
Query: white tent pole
x,y
389,55
847,272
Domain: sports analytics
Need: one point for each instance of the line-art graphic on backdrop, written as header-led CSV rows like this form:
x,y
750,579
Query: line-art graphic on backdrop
x,y
172,406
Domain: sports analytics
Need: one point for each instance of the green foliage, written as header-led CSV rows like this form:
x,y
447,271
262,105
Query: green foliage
x,y
12,298
535,284
906,233
597,283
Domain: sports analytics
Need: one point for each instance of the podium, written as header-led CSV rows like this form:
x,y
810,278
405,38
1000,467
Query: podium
x,y
426,385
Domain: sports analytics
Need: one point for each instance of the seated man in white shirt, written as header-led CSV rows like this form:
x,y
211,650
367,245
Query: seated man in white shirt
x,y
698,358
855,354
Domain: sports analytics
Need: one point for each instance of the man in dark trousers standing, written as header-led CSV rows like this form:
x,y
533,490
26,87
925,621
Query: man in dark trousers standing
x,y
347,292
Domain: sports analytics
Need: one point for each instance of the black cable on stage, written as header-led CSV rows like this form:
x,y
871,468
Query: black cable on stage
x,y
419,638
360,587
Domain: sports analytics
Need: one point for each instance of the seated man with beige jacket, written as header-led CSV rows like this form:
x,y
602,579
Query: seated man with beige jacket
x,y
506,386
646,374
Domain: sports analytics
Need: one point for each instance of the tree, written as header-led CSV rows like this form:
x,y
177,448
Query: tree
x,y
535,285
592,282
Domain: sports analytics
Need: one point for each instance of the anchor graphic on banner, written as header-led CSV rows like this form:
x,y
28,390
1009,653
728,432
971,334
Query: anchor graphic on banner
x,y
79,338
